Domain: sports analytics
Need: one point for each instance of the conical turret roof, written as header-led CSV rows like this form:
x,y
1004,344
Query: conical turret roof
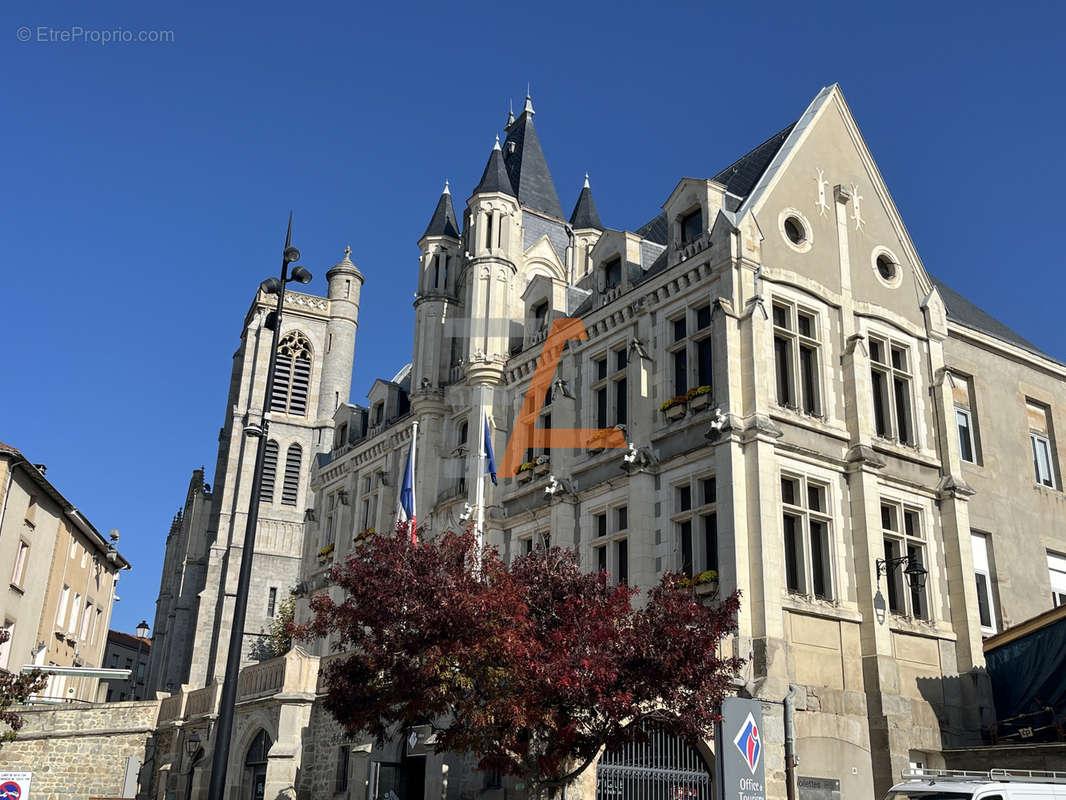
x,y
585,214
527,168
443,222
494,178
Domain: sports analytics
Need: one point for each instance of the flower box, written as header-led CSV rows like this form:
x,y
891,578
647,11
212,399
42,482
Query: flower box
x,y
542,468
525,475
674,412
699,402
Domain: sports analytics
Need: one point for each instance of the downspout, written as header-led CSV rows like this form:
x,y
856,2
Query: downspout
x,y
790,743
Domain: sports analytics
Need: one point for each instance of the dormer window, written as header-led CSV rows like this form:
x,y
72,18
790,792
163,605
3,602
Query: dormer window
x,y
613,270
540,316
691,226
379,413
342,435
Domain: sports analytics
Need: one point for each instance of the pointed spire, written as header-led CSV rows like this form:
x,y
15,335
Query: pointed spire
x,y
443,222
585,214
495,178
528,108
527,167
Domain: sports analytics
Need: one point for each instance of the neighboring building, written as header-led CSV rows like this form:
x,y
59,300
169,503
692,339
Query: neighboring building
x,y
203,550
61,591
127,652
811,412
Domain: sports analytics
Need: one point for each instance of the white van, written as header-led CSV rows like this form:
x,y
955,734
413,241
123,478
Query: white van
x,y
997,784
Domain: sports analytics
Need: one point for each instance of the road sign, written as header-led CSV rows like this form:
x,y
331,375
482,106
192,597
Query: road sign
x,y
15,785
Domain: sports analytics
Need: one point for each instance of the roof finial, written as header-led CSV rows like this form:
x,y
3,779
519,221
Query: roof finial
x,y
446,189
528,109
497,145
586,180
347,250
510,113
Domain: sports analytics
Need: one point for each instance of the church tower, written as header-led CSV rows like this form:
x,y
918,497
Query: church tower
x,y
312,377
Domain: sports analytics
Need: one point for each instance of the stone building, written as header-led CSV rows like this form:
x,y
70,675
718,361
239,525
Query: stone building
x,y
62,582
131,652
870,458
204,545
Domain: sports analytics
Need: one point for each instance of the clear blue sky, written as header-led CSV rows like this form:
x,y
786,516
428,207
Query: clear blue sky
x,y
146,186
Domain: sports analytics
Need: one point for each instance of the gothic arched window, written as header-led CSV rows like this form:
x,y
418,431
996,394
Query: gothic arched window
x,y
291,485
270,472
292,375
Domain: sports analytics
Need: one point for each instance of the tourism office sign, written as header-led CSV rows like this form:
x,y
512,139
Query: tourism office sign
x,y
742,769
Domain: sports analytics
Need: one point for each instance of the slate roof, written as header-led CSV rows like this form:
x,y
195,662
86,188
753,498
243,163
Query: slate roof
x,y
654,231
528,169
964,312
443,222
585,214
494,178
740,177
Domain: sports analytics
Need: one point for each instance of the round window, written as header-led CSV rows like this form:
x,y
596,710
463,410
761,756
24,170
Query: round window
x,y
886,267
794,230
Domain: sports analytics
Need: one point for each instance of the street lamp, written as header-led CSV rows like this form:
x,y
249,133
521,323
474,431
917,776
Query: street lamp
x,y
914,571
224,729
138,677
192,744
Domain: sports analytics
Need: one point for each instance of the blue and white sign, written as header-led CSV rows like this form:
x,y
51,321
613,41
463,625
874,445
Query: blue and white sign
x,y
15,785
742,767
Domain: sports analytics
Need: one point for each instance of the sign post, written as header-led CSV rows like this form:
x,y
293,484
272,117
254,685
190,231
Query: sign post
x,y
15,785
742,769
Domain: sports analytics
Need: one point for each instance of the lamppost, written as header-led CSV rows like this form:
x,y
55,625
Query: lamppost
x,y
138,676
224,728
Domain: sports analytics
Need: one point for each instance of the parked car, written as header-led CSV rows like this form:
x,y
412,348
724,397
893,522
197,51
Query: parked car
x,y
996,784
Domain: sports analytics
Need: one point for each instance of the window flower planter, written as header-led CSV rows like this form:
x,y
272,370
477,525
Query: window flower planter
x,y
326,553
525,472
674,412
699,398
541,466
363,535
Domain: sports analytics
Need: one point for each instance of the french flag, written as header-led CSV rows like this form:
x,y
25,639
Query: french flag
x,y
490,459
406,510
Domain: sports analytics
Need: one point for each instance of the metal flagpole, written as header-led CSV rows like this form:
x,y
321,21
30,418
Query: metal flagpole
x,y
481,476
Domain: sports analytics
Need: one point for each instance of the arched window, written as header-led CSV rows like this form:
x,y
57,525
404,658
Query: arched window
x,y
270,472
253,781
291,485
257,751
292,375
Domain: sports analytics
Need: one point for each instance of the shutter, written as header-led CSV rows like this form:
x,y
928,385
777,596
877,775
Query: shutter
x,y
960,391
282,379
1037,418
270,472
291,484
301,378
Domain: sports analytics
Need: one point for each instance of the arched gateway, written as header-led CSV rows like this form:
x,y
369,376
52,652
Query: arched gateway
x,y
663,768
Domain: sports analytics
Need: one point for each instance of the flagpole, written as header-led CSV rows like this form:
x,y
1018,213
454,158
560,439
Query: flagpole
x,y
482,425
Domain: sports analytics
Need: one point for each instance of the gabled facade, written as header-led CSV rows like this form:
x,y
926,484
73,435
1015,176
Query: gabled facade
x,y
811,415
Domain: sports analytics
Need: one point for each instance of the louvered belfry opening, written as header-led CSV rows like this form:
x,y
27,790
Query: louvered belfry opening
x,y
292,375
291,484
270,472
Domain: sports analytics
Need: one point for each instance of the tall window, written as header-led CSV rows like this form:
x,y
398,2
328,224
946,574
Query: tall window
x,y
796,356
961,392
21,558
270,472
808,547
1056,566
613,272
5,647
290,486
610,388
272,600
691,226
341,783
890,371
461,446
610,545
1040,441
903,536
696,525
86,618
689,350
64,601
540,316
986,609
74,608
292,375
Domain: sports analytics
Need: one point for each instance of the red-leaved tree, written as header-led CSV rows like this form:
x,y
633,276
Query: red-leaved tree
x,y
534,668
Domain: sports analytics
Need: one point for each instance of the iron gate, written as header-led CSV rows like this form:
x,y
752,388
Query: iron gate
x,y
662,768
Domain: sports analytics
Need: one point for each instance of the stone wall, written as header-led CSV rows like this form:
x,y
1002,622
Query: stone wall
x,y
77,752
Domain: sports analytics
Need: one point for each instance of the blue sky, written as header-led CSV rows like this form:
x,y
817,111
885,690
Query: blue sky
x,y
147,185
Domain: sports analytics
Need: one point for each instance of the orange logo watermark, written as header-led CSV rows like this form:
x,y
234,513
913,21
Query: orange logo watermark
x,y
526,434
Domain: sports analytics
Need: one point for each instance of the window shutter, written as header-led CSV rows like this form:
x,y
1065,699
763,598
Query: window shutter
x,y
301,378
291,484
282,379
1037,418
270,472
960,391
